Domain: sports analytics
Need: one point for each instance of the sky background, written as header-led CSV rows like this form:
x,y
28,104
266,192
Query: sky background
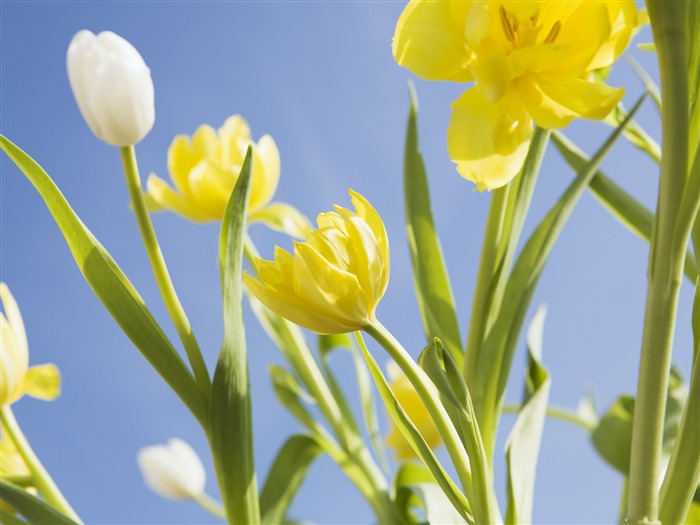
x,y
319,77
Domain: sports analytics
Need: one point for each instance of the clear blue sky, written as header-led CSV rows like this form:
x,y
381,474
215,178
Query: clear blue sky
x,y
319,77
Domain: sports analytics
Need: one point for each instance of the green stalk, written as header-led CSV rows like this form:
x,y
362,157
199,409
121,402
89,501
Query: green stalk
x,y
160,271
556,412
210,505
665,264
478,490
41,478
488,264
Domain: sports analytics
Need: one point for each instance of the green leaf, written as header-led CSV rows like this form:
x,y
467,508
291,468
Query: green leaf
x,y
112,287
413,436
286,476
33,509
497,354
693,515
291,395
628,210
649,83
429,273
693,43
523,445
231,420
635,134
284,218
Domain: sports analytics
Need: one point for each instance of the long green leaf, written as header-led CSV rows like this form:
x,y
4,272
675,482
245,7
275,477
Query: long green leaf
x,y
112,287
628,210
33,509
413,436
429,273
286,476
523,445
231,414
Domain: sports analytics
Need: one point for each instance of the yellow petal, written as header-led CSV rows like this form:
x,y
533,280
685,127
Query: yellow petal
x,y
622,15
554,105
211,187
488,140
368,264
284,218
492,76
43,382
266,172
14,352
165,197
430,40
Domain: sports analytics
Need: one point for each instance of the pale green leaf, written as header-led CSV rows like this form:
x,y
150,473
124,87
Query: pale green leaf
x,y
34,510
231,420
112,287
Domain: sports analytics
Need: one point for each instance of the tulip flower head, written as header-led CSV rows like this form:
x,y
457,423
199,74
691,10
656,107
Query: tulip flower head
x,y
16,378
530,61
335,279
172,470
205,167
112,86
416,411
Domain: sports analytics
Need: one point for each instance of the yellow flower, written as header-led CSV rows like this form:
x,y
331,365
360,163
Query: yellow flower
x,y
12,464
205,168
415,409
336,278
530,60
16,378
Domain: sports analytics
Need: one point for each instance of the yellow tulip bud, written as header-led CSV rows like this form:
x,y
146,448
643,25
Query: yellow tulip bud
x,y
16,378
415,409
335,279
205,167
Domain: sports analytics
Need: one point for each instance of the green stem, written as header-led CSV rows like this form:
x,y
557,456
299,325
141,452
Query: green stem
x,y
665,264
160,271
210,505
478,491
484,282
41,478
556,412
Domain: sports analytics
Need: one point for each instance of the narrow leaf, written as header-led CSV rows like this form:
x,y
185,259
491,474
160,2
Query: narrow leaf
x,y
33,509
430,277
230,416
286,476
112,287
523,445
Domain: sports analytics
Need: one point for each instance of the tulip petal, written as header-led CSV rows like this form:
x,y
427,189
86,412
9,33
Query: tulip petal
x,y
210,187
266,172
165,197
430,40
282,217
488,140
43,382
554,105
622,16
369,263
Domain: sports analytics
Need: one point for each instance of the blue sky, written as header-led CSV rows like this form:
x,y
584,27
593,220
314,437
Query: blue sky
x,y
319,77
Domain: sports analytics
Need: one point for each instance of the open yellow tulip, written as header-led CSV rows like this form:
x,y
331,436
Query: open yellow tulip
x,y
336,278
530,60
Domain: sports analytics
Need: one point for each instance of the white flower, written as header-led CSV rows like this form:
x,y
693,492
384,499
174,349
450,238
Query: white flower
x,y
172,470
112,86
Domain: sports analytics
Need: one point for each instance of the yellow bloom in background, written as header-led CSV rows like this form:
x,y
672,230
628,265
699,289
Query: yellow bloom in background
x,y
204,169
12,464
16,378
530,60
415,409
335,279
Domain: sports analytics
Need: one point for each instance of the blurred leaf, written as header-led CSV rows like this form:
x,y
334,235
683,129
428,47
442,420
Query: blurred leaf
x,y
694,515
649,83
284,218
286,476
33,509
430,277
112,287
413,436
290,394
231,420
523,445
637,136
693,43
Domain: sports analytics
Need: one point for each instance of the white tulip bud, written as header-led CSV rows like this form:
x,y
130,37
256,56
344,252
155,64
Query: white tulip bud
x,y
112,86
172,470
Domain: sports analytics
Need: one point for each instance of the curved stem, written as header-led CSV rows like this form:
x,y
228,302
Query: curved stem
x,y
160,271
210,505
41,478
556,412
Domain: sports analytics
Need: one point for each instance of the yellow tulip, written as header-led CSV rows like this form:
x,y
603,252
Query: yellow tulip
x,y
335,279
415,409
205,168
531,61
12,464
16,378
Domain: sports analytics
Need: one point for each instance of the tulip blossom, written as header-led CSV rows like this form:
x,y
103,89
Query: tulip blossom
x,y
172,470
16,378
112,86
335,279
416,411
205,167
530,61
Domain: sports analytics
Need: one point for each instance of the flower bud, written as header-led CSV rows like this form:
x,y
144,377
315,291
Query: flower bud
x,y
172,470
112,86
